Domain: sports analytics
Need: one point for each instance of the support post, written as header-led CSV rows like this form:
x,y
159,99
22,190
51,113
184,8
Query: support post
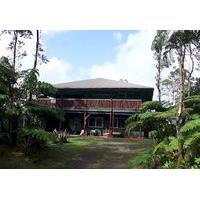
x,y
85,117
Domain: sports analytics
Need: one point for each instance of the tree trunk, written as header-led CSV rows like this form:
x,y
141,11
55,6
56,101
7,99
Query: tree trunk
x,y
179,118
190,73
36,49
159,79
85,118
15,49
36,58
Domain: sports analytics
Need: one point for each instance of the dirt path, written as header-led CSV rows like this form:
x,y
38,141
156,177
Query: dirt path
x,y
108,154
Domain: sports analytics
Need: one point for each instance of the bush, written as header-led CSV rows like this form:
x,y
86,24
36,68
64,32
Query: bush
x,y
32,139
170,165
196,164
41,111
165,153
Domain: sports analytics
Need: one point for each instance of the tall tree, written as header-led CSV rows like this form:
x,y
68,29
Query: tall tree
x,y
8,77
158,46
170,85
179,42
31,79
33,71
15,46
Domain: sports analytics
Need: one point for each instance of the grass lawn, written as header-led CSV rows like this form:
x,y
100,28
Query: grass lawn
x,y
140,160
80,153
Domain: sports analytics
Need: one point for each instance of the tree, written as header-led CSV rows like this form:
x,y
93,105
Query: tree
x,y
165,153
45,89
157,47
153,118
8,77
170,85
179,42
15,45
31,75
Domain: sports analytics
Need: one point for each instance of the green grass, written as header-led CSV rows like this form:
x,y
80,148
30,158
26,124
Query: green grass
x,y
140,160
53,156
86,152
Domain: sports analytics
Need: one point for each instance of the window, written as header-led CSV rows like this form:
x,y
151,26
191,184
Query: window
x,y
119,123
91,122
99,122
96,122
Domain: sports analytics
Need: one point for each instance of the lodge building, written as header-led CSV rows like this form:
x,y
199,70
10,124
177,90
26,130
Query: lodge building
x,y
99,105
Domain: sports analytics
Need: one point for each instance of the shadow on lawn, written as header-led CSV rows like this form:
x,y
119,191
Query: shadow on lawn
x,y
79,153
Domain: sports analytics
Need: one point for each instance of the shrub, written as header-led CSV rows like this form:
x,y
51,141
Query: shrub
x,y
170,165
32,139
165,152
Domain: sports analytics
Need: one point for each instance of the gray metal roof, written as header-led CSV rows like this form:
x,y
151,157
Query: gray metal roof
x,y
98,83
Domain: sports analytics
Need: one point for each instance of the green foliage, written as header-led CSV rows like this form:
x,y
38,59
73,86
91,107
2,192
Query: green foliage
x,y
192,140
195,89
154,135
7,75
31,139
41,111
141,160
165,152
196,164
169,114
193,102
3,99
132,122
19,85
170,85
155,119
31,84
191,127
159,41
169,165
46,89
30,80
39,134
10,112
152,105
180,38
169,145
191,133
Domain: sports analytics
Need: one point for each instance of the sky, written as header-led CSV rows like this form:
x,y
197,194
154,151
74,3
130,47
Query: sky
x,y
79,55
76,55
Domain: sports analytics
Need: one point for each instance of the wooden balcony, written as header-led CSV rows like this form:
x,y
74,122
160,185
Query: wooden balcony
x,y
99,104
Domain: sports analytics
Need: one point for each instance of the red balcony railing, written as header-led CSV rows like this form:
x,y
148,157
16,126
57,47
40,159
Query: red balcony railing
x,y
99,103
